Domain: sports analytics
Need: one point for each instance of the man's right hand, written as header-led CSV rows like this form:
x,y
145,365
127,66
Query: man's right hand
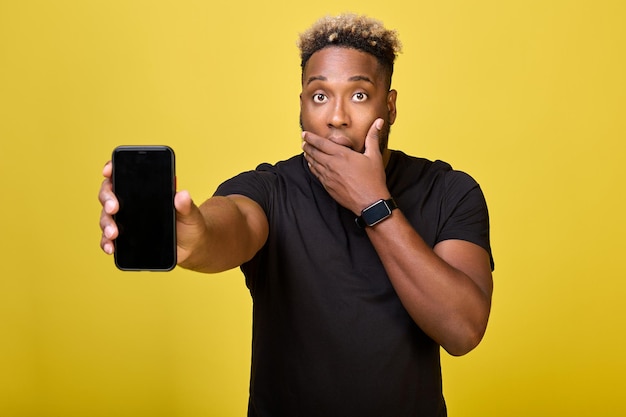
x,y
191,229
190,226
110,206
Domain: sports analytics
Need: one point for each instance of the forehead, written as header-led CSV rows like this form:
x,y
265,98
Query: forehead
x,y
341,63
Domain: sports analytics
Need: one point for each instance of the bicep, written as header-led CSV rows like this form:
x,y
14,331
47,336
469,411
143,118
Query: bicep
x,y
469,258
257,226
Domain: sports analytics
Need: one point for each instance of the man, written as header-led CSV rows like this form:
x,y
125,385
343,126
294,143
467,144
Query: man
x,y
361,261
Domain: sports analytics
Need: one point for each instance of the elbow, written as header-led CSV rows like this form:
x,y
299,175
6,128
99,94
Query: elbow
x,y
467,331
465,340
462,347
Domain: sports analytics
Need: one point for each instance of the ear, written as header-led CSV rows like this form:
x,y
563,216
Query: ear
x,y
392,95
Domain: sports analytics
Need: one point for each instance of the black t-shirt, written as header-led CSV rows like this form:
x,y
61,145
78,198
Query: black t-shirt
x,y
330,335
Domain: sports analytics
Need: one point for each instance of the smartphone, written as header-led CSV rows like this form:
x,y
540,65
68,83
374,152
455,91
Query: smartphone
x,y
144,182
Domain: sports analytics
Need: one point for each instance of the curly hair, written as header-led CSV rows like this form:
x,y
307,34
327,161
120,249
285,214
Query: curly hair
x,y
351,31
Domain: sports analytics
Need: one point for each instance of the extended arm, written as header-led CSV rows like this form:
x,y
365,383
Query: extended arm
x,y
221,234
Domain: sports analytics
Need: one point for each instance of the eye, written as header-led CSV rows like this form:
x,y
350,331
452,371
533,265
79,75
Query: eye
x,y
360,96
319,98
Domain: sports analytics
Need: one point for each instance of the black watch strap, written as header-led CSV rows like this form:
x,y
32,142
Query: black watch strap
x,y
376,213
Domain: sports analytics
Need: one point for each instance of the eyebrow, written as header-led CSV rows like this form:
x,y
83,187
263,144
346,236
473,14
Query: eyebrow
x,y
361,78
353,78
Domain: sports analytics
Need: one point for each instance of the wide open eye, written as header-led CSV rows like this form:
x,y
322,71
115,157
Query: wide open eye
x,y
320,98
360,96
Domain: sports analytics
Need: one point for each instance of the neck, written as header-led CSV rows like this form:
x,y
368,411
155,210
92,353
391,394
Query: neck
x,y
386,156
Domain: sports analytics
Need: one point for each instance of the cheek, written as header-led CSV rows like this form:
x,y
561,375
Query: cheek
x,y
364,123
310,118
304,120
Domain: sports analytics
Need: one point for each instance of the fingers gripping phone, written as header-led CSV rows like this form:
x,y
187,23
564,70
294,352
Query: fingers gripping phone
x,y
144,182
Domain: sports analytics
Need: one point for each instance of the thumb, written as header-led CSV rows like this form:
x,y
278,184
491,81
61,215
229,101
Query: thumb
x,y
190,226
186,210
372,140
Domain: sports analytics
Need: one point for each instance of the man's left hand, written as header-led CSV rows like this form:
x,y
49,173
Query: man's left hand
x,y
355,180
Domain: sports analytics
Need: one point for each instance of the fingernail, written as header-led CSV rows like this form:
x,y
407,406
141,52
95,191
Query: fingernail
x,y
108,248
379,124
109,205
108,232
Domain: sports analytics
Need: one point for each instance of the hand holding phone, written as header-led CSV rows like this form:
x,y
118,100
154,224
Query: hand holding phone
x,y
144,183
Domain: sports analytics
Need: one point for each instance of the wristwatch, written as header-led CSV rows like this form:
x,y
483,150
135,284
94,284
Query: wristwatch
x,y
376,213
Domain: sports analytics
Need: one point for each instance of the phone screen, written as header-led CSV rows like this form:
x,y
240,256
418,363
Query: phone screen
x,y
144,184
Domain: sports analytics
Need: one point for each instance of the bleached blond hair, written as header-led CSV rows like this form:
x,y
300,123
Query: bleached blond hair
x,y
351,31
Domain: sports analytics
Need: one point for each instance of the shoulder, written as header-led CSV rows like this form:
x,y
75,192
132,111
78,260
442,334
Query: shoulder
x,y
291,165
437,172
265,182
459,179
441,202
401,164
265,173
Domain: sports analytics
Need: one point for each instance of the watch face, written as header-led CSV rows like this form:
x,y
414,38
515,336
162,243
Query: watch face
x,y
376,212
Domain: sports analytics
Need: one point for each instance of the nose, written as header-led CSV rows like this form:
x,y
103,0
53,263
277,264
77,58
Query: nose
x,y
338,117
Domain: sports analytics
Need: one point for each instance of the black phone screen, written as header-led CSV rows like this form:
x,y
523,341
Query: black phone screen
x,y
144,184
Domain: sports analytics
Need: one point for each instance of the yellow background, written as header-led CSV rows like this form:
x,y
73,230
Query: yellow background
x,y
527,96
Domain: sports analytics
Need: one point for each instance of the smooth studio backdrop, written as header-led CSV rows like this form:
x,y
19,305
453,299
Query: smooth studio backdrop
x,y
527,96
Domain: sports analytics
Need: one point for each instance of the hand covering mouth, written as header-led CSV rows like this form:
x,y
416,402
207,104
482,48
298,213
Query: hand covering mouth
x,y
341,140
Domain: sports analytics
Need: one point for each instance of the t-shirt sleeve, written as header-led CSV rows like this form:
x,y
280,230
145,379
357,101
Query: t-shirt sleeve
x,y
465,208
256,185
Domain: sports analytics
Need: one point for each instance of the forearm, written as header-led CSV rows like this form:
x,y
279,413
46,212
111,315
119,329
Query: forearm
x,y
226,241
445,302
